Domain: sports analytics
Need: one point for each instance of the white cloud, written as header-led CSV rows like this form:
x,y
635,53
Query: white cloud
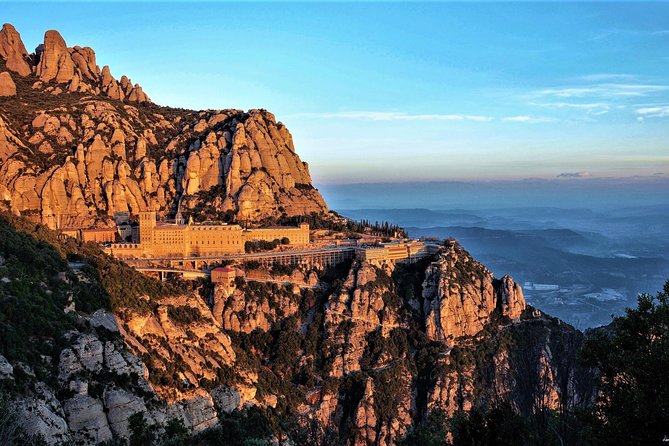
x,y
603,90
583,174
400,116
593,108
661,111
528,119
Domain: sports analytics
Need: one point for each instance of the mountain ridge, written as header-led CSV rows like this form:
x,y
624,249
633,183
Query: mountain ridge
x,y
78,146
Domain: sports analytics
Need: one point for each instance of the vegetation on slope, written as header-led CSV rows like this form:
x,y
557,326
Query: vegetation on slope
x,y
41,274
114,285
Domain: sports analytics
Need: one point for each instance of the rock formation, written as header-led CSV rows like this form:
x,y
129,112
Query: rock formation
x,y
460,296
13,51
363,353
7,86
97,155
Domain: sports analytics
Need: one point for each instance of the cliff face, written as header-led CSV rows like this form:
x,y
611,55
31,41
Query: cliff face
x,y
402,341
460,295
77,146
357,357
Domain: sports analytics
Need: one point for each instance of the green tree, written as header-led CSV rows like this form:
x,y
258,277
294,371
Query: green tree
x,y
432,432
141,432
176,434
632,356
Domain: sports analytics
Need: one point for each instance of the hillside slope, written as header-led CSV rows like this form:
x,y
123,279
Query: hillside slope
x,y
380,347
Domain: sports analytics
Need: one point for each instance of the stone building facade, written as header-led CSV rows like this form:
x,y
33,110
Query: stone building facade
x,y
201,240
399,251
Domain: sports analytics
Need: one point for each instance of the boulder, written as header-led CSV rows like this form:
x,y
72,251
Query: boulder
x,y
42,414
121,405
7,85
226,399
6,369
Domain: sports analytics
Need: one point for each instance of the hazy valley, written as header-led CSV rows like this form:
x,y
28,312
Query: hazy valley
x,y
599,259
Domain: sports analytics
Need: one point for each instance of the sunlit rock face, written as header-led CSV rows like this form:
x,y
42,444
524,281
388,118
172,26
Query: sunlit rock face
x,y
460,296
104,148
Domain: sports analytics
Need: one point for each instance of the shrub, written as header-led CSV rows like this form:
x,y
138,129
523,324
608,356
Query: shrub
x,y
184,315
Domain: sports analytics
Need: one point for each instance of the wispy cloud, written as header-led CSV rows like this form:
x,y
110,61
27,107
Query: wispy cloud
x,y
583,174
400,116
602,77
608,90
592,108
529,119
606,34
661,111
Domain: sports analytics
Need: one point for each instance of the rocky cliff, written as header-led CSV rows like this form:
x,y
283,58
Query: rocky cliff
x,y
353,355
76,146
375,347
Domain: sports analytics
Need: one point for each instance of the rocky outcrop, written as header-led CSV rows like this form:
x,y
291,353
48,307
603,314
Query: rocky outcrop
x,y
464,312
6,369
255,163
511,302
55,61
70,69
103,385
460,296
86,418
41,413
189,349
118,167
7,86
259,305
356,310
13,51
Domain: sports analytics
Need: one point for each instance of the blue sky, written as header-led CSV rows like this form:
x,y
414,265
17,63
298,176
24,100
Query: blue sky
x,y
405,91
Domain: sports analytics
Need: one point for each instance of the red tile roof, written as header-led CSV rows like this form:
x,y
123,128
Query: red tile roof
x,y
224,269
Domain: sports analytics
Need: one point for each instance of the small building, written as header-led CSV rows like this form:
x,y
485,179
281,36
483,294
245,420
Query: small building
x,y
398,251
125,231
224,275
99,235
121,217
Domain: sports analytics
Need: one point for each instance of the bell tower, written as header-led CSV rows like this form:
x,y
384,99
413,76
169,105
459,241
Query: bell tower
x,y
147,222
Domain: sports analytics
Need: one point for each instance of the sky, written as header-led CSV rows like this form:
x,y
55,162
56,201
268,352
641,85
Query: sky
x,y
392,92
